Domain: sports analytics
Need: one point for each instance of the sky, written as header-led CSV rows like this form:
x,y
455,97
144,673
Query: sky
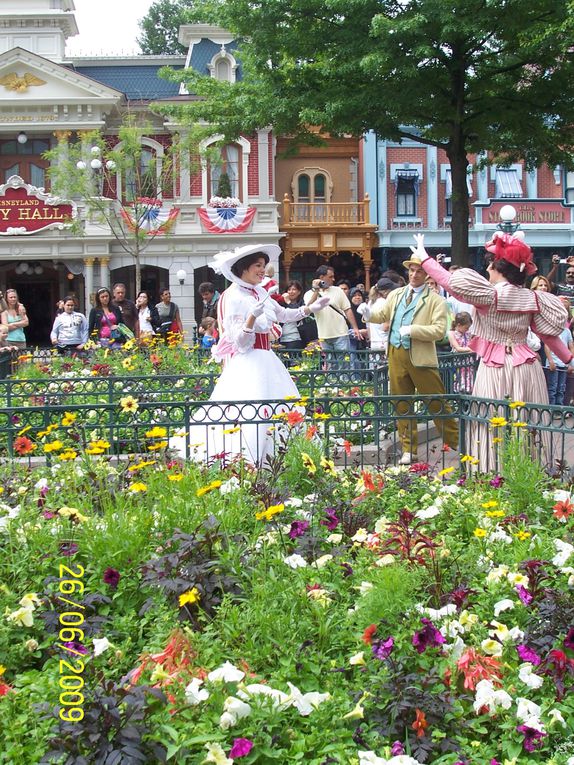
x,y
107,26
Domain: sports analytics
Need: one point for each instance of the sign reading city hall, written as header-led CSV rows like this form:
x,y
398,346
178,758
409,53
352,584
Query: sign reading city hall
x,y
26,209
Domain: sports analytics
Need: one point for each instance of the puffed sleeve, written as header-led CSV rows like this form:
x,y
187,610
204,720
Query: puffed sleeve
x,y
552,315
470,287
233,311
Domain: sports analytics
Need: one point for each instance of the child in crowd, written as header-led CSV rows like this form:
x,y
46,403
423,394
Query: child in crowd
x,y
556,371
209,334
459,338
4,344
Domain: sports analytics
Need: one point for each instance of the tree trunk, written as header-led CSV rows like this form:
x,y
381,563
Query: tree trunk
x,y
460,211
138,270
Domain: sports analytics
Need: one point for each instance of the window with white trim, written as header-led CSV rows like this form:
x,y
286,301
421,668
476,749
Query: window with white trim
x,y
228,164
569,191
406,182
448,190
508,185
312,188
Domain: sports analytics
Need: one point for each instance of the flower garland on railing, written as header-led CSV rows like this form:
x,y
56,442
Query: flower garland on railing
x,y
224,215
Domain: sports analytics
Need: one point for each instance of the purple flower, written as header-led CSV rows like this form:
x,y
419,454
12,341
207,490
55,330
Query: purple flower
x,y
240,747
75,646
298,528
532,737
397,749
569,639
111,577
382,649
68,548
525,596
461,481
494,762
428,637
347,569
330,521
497,481
527,654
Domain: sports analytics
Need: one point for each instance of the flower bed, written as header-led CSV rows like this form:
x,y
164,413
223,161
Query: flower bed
x,y
166,612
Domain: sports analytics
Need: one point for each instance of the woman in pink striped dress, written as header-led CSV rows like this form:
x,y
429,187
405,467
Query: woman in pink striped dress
x,y
505,310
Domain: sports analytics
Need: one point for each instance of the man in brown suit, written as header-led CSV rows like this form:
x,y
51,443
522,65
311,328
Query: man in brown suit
x,y
417,319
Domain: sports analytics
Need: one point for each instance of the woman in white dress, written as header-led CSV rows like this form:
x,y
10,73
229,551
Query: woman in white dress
x,y
251,371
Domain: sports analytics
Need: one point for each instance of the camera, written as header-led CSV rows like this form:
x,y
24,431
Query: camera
x,y
563,261
447,259
323,284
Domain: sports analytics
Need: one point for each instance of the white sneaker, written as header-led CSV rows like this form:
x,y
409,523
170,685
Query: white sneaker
x,y
406,458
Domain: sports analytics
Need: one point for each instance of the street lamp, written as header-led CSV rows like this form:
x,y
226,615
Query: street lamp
x,y
507,215
181,274
96,163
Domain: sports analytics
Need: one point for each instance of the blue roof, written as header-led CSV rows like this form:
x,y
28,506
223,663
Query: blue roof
x,y
137,82
204,51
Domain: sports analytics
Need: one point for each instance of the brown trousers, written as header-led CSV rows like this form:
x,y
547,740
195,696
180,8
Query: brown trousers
x,y
405,378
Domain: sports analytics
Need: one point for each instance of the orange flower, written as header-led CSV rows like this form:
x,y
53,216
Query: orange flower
x,y
475,667
561,509
311,432
294,418
368,634
23,445
420,724
347,447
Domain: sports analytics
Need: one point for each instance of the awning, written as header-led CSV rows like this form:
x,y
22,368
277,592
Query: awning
x,y
407,181
508,183
448,179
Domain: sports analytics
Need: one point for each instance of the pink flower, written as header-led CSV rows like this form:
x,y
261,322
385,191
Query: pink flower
x,y
240,747
527,654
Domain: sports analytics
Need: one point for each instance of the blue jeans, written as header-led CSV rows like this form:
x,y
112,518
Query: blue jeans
x,y
556,384
336,361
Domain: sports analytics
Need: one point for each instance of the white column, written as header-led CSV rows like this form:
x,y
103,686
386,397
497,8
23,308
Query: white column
x,y
264,168
105,272
88,283
432,187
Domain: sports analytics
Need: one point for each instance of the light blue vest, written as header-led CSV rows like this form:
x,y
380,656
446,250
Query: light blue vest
x,y
403,316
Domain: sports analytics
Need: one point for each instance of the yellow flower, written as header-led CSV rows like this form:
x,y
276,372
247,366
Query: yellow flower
x,y
191,596
227,431
54,446
490,503
24,430
445,471
321,416
516,404
128,403
157,446
156,432
137,487
267,515
469,458
140,465
497,440
498,422
68,455
69,419
308,463
522,535
22,616
97,447
519,424
127,363
2,669
478,532
72,513
495,514
328,466
206,489
175,477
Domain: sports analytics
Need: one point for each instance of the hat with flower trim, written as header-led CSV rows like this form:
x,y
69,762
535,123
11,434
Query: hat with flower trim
x,y
223,260
513,249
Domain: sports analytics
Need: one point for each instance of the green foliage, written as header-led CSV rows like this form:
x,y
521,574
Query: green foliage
x,y
160,27
223,186
463,76
395,591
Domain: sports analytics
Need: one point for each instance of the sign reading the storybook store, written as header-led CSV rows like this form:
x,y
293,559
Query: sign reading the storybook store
x,y
26,209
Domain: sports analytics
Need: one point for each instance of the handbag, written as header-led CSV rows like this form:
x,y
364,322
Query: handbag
x,y
308,330
124,331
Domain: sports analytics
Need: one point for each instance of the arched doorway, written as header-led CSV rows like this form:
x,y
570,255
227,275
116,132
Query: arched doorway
x,y
153,280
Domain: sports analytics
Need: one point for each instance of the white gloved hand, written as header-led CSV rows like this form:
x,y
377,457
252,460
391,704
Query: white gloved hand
x,y
419,250
258,309
365,311
405,331
319,304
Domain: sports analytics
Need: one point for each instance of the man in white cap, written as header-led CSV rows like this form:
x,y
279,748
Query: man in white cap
x,y
417,319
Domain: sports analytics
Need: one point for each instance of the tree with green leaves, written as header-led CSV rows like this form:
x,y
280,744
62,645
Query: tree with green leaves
x,y
463,75
160,27
121,186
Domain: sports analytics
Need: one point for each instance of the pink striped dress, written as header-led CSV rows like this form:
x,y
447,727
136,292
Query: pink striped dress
x,y
508,369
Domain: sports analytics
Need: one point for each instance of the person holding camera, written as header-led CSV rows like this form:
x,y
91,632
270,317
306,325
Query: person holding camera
x,y
566,287
332,323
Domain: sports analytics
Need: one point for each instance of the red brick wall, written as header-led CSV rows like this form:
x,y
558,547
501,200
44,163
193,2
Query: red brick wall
x,y
398,155
253,168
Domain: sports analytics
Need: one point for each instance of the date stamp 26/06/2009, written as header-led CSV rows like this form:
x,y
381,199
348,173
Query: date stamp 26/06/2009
x,y
71,638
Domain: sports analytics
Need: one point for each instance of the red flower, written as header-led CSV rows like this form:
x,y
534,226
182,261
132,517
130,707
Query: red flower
x,y
475,667
420,724
368,634
4,689
23,445
347,448
563,509
294,418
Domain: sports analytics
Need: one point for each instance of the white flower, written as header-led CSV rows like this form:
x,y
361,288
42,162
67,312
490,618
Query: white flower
x,y
193,694
381,525
229,486
226,673
526,709
233,710
428,512
456,648
516,579
295,561
305,702
293,502
499,535
564,550
491,647
560,495
216,755
101,645
22,616
487,696
370,758
360,536
334,539
496,574
364,588
528,677
258,689
322,561
450,489
556,717
437,613
357,659
503,605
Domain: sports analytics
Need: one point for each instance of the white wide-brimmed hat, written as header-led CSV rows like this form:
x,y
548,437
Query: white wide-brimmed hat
x,y
223,260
